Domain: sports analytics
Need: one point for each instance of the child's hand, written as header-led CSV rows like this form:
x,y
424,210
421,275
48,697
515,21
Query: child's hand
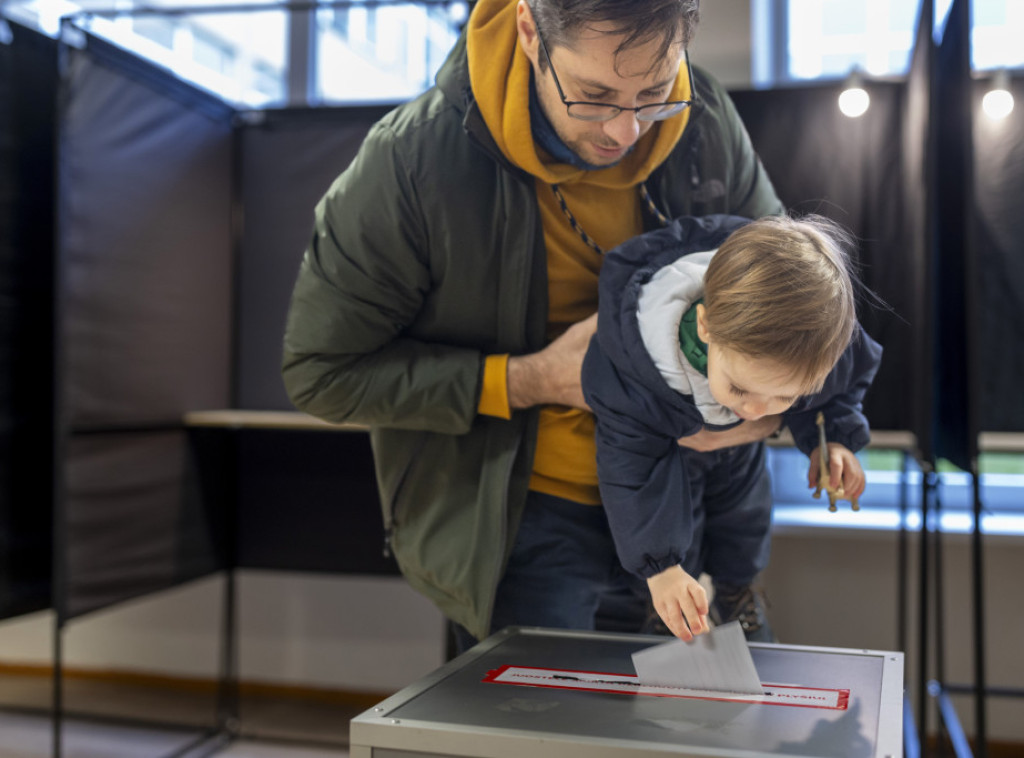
x,y
680,601
844,469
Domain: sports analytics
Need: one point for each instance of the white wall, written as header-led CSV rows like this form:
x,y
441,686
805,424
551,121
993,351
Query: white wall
x,y
345,633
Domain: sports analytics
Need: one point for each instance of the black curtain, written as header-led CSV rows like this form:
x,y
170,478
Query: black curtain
x,y
170,308
28,78
917,145
998,264
852,171
308,502
954,301
146,328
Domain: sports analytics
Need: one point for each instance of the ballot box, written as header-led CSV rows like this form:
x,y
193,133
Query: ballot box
x,y
542,693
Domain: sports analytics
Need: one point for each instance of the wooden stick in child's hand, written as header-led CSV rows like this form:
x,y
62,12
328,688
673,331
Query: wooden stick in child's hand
x,y
824,475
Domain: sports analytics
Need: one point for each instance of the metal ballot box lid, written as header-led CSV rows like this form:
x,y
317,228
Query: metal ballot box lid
x,y
466,709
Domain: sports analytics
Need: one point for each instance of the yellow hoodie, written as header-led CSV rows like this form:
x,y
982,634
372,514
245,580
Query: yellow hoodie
x,y
499,71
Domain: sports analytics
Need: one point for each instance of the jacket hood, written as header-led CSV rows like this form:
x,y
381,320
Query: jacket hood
x,y
500,75
662,304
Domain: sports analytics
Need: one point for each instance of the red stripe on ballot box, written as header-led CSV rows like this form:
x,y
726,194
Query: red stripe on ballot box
x,y
625,684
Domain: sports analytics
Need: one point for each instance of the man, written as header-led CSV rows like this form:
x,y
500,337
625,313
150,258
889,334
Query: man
x,y
446,297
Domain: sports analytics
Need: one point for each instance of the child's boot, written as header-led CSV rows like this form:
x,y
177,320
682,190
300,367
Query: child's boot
x,y
746,605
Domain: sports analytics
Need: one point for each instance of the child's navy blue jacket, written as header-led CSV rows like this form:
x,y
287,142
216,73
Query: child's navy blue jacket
x,y
641,467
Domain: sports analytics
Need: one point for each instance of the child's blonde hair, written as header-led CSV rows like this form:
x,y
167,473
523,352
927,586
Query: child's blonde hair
x,y
780,288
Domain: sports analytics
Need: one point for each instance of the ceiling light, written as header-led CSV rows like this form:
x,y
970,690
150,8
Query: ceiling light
x,y
854,99
998,101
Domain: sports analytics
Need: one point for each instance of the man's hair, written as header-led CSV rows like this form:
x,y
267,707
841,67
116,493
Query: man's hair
x,y
673,22
781,288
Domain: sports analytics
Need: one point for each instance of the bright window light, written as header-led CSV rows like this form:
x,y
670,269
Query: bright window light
x,y
824,39
386,51
1002,485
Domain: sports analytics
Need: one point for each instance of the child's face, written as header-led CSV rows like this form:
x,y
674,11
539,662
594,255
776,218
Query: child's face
x,y
749,387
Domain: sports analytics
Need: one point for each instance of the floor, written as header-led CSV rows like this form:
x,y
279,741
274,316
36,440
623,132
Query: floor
x,y
108,720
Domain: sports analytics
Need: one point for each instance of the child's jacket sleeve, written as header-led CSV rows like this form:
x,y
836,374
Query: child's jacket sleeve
x,y
840,400
643,478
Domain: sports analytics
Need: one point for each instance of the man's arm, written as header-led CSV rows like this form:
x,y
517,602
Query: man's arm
x,y
350,346
351,351
742,434
552,375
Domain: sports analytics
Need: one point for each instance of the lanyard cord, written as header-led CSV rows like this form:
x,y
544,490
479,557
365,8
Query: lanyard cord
x,y
644,195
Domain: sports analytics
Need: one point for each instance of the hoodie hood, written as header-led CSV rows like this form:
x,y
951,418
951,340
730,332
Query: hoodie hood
x,y
500,75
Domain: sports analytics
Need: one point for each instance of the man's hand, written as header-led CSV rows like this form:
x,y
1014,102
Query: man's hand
x,y
742,434
680,601
552,375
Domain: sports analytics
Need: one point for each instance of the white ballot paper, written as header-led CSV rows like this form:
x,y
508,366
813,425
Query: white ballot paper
x,y
719,661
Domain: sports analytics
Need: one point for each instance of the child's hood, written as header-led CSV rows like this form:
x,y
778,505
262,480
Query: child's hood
x,y
663,302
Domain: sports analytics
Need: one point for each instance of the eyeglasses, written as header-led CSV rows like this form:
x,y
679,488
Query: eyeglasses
x,y
584,111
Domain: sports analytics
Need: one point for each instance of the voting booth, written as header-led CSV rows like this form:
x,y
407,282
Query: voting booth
x,y
540,693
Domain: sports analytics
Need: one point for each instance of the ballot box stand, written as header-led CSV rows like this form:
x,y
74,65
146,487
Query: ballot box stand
x,y
464,709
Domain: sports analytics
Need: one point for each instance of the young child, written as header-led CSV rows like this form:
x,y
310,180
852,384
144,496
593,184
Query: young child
x,y
691,337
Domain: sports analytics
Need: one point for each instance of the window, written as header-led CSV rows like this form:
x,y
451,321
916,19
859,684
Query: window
x,y
158,30
803,40
997,34
387,51
239,56
383,53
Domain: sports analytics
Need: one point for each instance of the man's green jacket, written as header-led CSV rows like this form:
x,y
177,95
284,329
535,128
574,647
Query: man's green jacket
x,y
427,255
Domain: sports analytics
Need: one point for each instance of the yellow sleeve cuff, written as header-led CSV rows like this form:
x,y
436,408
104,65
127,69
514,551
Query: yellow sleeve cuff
x,y
494,393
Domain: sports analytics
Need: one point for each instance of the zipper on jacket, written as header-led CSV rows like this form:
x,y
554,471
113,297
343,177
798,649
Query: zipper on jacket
x,y
474,126
694,168
692,133
521,318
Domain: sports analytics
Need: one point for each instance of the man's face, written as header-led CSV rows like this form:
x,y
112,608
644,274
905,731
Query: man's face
x,y
591,71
